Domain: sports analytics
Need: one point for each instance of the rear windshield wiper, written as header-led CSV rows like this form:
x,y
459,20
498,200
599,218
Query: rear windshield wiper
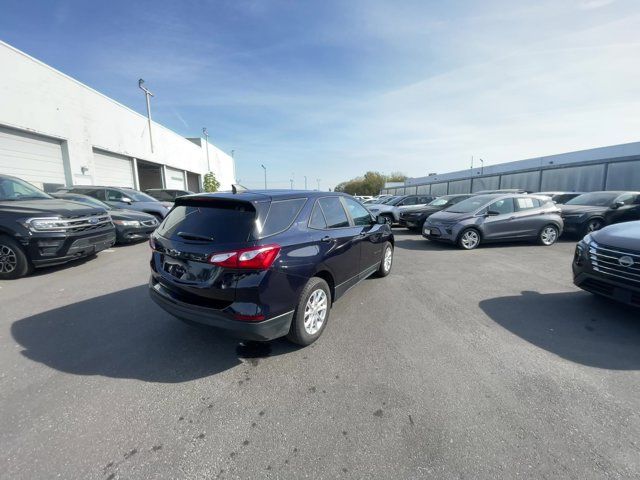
x,y
194,236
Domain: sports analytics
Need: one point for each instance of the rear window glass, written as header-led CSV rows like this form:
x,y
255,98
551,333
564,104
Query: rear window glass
x,y
223,222
333,212
282,214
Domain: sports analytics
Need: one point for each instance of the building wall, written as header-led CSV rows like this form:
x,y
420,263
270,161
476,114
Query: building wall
x,y
37,98
615,167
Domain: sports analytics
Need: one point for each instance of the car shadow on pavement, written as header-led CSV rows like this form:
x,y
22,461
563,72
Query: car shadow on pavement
x,y
576,326
125,335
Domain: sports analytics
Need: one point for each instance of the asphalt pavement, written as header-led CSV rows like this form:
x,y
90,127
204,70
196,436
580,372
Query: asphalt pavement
x,y
480,364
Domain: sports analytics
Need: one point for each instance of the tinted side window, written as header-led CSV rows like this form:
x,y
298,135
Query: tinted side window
x,y
360,215
409,201
95,193
422,200
333,212
281,215
502,206
626,198
114,196
162,196
317,220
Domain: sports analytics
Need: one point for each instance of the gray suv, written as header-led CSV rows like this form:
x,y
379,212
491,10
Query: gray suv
x,y
497,217
123,198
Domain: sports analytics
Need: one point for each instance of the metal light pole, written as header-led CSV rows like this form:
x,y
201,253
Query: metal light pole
x,y
265,176
318,180
206,141
481,166
291,182
305,182
148,96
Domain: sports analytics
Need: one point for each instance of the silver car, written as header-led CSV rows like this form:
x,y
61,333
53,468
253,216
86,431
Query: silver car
x,y
494,218
390,209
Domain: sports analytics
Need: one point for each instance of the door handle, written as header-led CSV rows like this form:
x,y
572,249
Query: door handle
x,y
326,239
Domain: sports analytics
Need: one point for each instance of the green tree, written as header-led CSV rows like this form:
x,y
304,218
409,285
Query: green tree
x,y
369,184
211,183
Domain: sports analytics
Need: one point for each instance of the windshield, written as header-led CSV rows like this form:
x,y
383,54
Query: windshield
x,y
596,199
394,200
12,189
138,196
471,204
440,201
88,200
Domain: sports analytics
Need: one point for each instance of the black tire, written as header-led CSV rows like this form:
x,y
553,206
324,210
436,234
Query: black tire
x,y
298,333
548,235
592,225
13,260
466,237
383,269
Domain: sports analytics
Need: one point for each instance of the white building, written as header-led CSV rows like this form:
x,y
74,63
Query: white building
x,y
56,131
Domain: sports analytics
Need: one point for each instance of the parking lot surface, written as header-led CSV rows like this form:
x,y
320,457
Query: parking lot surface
x,y
480,364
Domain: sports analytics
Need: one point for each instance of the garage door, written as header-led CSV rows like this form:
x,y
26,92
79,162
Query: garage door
x,y
33,158
175,179
112,169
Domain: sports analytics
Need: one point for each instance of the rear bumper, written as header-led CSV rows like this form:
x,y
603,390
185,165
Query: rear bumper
x,y
269,329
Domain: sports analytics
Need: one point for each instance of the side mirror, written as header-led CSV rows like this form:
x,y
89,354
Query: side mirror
x,y
617,205
492,213
126,200
380,220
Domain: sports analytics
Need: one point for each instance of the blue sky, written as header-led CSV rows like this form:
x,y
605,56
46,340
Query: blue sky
x,y
330,89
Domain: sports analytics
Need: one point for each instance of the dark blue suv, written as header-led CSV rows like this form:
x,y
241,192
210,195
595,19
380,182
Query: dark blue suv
x,y
265,264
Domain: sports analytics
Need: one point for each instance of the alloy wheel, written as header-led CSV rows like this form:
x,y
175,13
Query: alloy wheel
x,y
549,235
8,259
594,225
388,259
315,311
470,239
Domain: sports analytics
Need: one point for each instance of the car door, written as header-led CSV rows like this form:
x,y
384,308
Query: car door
x,y
499,220
528,219
369,236
339,242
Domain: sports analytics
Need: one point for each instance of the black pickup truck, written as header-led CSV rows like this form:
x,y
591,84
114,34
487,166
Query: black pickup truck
x,y
37,230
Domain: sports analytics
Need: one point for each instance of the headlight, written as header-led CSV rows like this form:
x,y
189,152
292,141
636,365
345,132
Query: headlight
x,y
127,223
45,224
588,240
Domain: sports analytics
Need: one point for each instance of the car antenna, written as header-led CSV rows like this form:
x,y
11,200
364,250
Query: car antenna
x,y
236,187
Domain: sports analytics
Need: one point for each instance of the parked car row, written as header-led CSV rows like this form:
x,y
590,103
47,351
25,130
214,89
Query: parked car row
x,y
607,259
500,215
38,229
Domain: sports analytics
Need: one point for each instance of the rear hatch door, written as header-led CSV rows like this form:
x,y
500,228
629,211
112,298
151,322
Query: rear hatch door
x,y
195,229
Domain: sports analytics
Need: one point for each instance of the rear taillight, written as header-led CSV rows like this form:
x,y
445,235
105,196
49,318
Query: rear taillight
x,y
255,258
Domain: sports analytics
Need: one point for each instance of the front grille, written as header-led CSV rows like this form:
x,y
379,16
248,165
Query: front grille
x,y
620,265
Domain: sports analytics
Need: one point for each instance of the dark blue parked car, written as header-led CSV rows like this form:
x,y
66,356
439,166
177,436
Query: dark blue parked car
x,y
263,265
